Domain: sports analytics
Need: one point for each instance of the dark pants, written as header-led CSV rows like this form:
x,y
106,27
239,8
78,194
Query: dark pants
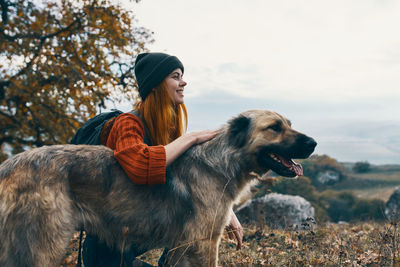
x,y
98,254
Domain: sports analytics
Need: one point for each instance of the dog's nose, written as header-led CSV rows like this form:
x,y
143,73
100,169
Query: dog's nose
x,y
305,146
311,143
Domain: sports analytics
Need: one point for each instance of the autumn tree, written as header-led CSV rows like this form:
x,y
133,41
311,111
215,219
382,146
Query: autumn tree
x,y
60,60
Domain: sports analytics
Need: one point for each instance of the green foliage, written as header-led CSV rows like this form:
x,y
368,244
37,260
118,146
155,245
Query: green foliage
x,y
59,61
301,187
369,209
362,167
338,205
317,163
345,206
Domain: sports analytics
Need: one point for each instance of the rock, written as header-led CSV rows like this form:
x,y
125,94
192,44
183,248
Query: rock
x,y
392,209
328,177
278,211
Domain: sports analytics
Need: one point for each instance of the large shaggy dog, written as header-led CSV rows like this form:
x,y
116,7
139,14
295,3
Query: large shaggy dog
x,y
48,193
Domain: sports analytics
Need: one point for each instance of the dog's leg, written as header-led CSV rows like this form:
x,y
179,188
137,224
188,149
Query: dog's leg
x,y
34,243
177,256
36,227
202,253
207,253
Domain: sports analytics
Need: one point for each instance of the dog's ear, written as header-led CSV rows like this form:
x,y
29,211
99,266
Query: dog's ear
x,y
239,129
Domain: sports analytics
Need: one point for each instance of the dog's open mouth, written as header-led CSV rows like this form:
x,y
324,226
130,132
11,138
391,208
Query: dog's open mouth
x,y
280,164
288,164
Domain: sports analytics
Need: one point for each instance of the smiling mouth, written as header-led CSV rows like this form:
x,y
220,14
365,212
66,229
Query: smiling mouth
x,y
284,166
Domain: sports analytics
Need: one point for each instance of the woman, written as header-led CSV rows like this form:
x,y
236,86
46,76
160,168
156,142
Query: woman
x,y
147,140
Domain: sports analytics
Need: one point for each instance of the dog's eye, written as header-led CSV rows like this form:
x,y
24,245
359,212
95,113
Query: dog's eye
x,y
275,127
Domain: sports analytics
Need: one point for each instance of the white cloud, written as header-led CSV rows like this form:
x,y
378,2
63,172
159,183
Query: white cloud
x,y
338,48
315,61
358,150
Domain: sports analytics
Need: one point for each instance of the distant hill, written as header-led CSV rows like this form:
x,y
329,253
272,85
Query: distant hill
x,y
378,182
374,168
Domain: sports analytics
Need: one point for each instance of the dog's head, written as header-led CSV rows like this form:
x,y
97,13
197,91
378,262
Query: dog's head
x,y
270,142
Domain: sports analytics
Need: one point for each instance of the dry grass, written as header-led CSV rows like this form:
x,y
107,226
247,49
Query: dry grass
x,y
364,244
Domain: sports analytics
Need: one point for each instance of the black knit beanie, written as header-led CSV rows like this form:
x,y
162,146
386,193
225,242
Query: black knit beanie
x,y
152,68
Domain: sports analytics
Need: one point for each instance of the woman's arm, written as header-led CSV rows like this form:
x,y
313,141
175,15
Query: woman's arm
x,y
174,149
235,230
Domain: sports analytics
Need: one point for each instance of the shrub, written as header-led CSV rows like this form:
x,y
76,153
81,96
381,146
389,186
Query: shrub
x,y
369,209
345,206
317,164
362,167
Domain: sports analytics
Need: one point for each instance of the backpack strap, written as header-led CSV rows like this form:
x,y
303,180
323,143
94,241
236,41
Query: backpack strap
x,y
140,117
105,132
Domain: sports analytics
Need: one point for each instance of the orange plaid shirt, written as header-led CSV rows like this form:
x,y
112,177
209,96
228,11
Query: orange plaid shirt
x,y
142,163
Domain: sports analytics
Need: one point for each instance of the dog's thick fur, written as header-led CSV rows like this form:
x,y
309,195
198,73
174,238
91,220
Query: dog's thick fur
x,y
48,193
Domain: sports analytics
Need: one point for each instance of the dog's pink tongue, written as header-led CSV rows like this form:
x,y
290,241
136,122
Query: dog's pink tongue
x,y
297,168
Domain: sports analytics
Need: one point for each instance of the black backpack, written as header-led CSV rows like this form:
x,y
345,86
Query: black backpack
x,y
89,133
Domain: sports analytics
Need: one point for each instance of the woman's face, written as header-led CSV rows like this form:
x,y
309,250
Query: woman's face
x,y
175,86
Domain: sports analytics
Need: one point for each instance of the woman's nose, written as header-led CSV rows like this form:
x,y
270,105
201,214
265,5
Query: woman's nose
x,y
183,83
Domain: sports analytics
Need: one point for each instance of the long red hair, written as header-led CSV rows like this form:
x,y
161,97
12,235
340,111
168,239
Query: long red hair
x,y
164,120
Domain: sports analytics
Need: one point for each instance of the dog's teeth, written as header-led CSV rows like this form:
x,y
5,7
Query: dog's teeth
x,y
274,157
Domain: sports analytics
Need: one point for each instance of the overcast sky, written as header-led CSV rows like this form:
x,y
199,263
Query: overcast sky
x,y
331,67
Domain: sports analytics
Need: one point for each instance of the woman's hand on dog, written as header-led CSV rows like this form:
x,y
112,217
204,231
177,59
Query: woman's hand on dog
x,y
203,136
235,230
174,149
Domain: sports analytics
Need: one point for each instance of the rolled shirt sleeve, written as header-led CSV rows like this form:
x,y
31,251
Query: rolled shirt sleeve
x,y
142,163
